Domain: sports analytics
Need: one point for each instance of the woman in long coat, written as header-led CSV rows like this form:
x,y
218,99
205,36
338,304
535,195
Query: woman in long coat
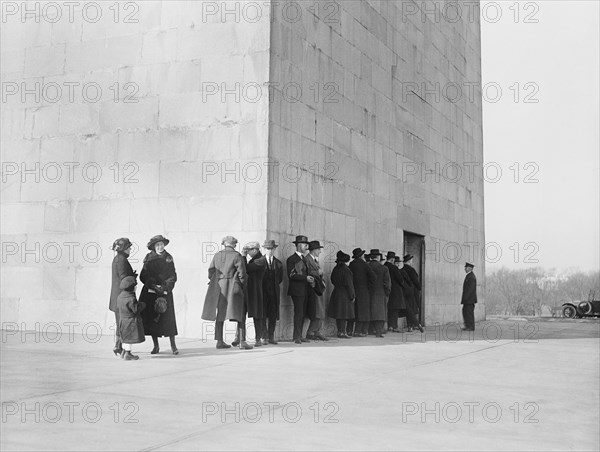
x,y
341,302
159,277
120,269
363,279
130,327
380,292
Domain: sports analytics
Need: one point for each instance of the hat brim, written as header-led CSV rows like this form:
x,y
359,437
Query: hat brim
x,y
302,241
151,244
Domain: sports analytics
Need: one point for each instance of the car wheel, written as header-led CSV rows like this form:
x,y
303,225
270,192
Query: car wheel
x,y
585,307
569,312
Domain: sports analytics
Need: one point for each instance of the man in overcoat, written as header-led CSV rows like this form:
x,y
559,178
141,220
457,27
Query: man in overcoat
x,y
225,298
379,292
469,298
363,278
316,310
256,265
271,292
396,300
299,284
415,281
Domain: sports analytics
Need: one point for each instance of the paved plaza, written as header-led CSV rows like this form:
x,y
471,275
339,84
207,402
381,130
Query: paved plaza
x,y
513,385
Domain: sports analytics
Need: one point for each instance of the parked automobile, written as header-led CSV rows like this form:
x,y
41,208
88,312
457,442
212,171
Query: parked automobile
x,y
578,309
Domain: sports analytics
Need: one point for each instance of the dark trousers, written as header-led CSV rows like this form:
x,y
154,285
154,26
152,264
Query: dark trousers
x,y
393,318
468,312
260,328
378,326
341,325
361,327
300,304
350,327
411,318
219,331
118,343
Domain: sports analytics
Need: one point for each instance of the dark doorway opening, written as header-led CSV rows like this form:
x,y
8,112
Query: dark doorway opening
x,y
415,244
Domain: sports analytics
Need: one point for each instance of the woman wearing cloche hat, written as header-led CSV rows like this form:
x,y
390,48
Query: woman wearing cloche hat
x,y
159,277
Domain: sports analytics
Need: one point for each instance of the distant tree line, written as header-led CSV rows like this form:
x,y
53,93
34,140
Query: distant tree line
x,y
536,291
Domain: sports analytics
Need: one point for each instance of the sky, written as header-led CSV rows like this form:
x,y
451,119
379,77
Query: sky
x,y
544,208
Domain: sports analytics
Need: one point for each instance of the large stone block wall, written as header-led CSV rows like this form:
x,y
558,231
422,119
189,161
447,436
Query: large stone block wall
x,y
332,141
171,162
371,126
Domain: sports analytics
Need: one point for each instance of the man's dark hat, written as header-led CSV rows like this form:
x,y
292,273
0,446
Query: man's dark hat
x,y
407,257
301,239
121,244
469,265
270,244
342,257
374,252
128,283
397,259
313,245
357,252
154,240
390,254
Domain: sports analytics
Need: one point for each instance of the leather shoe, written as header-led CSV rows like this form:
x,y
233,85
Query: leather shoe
x,y
420,328
245,346
311,337
265,342
235,343
155,350
298,341
129,357
117,351
175,351
320,337
258,343
304,340
222,345
379,335
273,341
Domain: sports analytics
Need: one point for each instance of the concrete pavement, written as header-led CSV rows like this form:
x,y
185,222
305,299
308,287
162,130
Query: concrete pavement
x,y
513,385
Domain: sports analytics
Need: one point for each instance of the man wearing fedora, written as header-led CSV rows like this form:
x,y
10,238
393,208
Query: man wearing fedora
x,y
271,284
316,309
299,284
363,279
256,265
225,298
396,300
469,298
380,292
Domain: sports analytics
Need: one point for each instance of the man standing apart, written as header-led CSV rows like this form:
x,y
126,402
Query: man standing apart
x,y
300,282
271,281
469,298
316,309
225,298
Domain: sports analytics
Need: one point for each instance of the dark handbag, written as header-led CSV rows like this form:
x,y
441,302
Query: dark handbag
x,y
160,305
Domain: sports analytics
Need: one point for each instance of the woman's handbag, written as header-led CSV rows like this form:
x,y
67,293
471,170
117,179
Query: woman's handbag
x,y
160,307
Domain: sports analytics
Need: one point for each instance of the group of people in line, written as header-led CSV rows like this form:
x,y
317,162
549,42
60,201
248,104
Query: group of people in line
x,y
368,290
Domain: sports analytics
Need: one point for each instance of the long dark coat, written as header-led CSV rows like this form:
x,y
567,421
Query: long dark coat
x,y
408,290
363,279
316,308
413,276
469,295
396,299
341,303
159,269
255,269
380,291
131,328
120,269
271,288
297,271
226,290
